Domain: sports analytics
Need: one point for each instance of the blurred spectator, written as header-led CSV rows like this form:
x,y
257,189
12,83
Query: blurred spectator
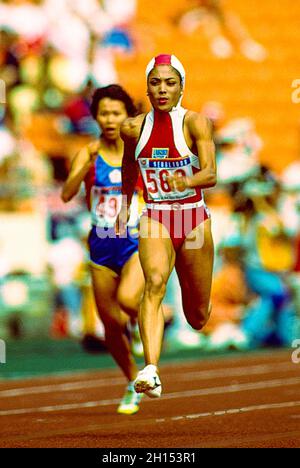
x,y
289,208
77,109
237,152
215,112
65,259
223,29
229,297
122,12
271,318
289,204
9,62
27,18
179,334
237,144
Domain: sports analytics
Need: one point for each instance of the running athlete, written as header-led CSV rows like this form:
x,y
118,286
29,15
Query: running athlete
x,y
117,276
174,151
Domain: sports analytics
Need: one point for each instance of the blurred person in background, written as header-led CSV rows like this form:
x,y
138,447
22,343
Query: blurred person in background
x,y
9,61
117,276
215,112
96,30
230,296
237,150
64,261
289,209
76,44
174,151
223,29
27,19
269,255
122,13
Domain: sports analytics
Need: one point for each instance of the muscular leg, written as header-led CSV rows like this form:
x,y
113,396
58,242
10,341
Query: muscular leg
x,y
131,286
105,284
157,258
194,268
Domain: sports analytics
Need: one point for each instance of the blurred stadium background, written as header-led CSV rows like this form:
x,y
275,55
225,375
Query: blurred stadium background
x,y
241,59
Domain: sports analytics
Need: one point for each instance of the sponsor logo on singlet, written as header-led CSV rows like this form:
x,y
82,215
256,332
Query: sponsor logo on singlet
x,y
115,176
160,153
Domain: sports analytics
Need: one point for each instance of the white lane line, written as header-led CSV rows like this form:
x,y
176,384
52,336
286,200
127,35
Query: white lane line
x,y
246,409
63,387
117,426
185,376
236,387
239,371
65,407
55,375
261,385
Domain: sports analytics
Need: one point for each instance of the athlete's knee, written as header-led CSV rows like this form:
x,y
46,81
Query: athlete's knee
x,y
155,284
128,303
199,317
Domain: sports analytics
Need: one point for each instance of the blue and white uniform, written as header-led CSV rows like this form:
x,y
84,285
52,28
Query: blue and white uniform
x,y
103,193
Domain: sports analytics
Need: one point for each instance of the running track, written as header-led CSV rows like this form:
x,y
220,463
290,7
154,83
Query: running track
x,y
250,400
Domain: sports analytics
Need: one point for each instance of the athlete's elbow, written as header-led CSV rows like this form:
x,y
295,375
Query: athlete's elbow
x,y
65,196
212,179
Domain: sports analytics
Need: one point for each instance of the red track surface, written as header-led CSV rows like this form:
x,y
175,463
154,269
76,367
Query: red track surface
x,y
237,401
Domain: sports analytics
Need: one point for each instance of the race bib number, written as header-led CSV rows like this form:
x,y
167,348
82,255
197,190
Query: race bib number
x,y
106,206
156,173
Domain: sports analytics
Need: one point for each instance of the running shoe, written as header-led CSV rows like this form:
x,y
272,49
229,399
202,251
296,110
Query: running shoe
x,y
130,401
148,382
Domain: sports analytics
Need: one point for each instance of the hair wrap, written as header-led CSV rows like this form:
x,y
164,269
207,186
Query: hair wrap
x,y
166,59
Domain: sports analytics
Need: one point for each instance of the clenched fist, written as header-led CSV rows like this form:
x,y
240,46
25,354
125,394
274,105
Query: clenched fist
x,y
178,182
93,149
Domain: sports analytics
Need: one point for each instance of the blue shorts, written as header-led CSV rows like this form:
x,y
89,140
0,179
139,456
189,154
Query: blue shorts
x,y
111,251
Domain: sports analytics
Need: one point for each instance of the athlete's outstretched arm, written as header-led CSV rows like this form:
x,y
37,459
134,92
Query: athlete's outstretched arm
x,y
130,169
81,164
130,173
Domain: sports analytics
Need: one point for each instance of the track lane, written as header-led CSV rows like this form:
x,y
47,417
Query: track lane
x,y
212,397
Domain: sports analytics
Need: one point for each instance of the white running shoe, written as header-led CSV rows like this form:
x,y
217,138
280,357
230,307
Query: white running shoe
x,y
148,382
130,401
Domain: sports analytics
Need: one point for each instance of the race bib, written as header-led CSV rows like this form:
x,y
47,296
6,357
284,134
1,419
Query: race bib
x,y
155,175
106,204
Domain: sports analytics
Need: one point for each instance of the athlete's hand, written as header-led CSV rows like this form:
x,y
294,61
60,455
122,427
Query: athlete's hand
x,y
177,182
93,150
122,220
